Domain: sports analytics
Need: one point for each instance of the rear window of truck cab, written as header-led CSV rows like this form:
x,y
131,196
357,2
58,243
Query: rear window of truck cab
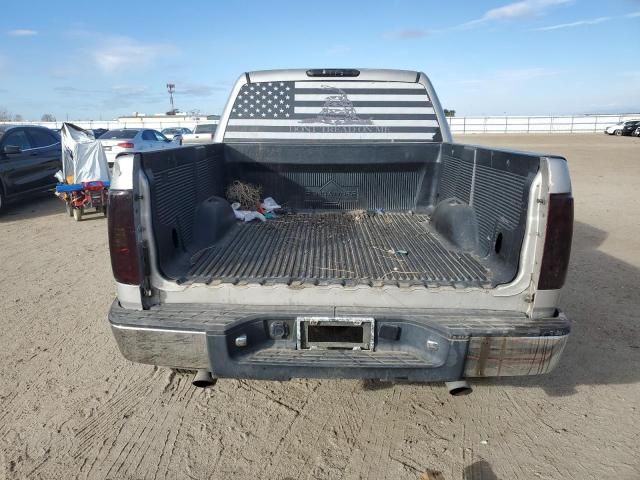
x,y
336,110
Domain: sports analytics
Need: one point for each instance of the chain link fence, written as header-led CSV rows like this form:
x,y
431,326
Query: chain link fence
x,y
538,124
460,125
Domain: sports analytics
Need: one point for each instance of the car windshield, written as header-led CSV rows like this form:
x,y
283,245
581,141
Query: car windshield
x,y
118,134
171,131
208,128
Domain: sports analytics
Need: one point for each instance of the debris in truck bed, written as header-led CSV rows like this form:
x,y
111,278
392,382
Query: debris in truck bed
x,y
357,215
246,194
246,215
270,205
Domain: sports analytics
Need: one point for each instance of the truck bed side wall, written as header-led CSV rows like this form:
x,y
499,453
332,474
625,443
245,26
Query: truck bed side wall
x,y
179,181
492,188
396,177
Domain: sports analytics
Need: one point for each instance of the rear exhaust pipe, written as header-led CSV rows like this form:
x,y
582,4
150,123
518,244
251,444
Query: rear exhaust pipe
x,y
204,379
459,388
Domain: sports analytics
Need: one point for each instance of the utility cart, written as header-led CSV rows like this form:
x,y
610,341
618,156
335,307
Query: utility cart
x,y
84,179
80,197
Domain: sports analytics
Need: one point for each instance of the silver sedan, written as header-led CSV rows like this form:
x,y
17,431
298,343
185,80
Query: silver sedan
x,y
128,140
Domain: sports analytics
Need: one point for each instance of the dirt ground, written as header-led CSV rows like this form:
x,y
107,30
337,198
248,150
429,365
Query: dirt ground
x,y
72,407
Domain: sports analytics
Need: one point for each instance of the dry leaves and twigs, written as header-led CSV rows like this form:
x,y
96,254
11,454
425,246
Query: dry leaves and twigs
x,y
358,215
246,194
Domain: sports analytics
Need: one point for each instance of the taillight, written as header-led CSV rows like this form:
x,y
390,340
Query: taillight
x,y
126,145
557,244
125,257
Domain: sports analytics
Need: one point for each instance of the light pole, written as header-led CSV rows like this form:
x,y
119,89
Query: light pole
x,y
171,88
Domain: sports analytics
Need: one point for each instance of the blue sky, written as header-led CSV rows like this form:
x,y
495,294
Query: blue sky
x,y
92,60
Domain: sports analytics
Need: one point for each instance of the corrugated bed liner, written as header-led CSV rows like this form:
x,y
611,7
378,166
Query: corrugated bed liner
x,y
347,248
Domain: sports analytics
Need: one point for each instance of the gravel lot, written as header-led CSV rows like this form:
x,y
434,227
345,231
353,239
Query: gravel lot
x,y
71,407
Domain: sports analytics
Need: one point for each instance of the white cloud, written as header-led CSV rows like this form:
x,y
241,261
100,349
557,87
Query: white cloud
x,y
22,32
117,53
578,23
511,11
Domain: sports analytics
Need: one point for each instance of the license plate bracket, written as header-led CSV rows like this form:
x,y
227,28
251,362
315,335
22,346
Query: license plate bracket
x,y
335,333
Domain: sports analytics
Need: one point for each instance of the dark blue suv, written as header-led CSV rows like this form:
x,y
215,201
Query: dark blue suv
x,y
29,158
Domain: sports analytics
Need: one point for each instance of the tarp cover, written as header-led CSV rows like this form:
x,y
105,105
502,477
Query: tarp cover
x,y
83,158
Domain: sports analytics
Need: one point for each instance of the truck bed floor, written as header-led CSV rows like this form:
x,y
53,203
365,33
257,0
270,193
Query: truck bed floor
x,y
347,248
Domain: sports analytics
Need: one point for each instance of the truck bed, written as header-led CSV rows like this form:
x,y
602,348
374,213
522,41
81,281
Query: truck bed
x,y
459,213
346,248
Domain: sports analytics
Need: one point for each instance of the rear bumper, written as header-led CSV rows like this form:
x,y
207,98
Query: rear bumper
x,y
415,345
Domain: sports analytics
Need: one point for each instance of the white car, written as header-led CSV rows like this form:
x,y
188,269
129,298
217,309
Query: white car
x,y
618,127
128,140
176,133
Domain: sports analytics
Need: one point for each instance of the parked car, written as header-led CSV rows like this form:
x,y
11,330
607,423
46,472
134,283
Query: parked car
x,y
401,254
98,132
630,127
29,158
619,128
203,133
611,129
125,140
176,133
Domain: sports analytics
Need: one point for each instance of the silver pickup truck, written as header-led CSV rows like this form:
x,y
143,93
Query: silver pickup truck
x,y
203,133
398,254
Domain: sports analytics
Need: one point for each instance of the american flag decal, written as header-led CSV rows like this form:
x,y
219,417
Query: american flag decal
x,y
335,110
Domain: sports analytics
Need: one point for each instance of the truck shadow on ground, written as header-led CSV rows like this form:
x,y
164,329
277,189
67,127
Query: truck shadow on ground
x,y
479,470
600,298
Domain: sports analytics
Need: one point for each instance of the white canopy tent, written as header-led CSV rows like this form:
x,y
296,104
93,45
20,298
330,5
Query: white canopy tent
x,y
83,158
